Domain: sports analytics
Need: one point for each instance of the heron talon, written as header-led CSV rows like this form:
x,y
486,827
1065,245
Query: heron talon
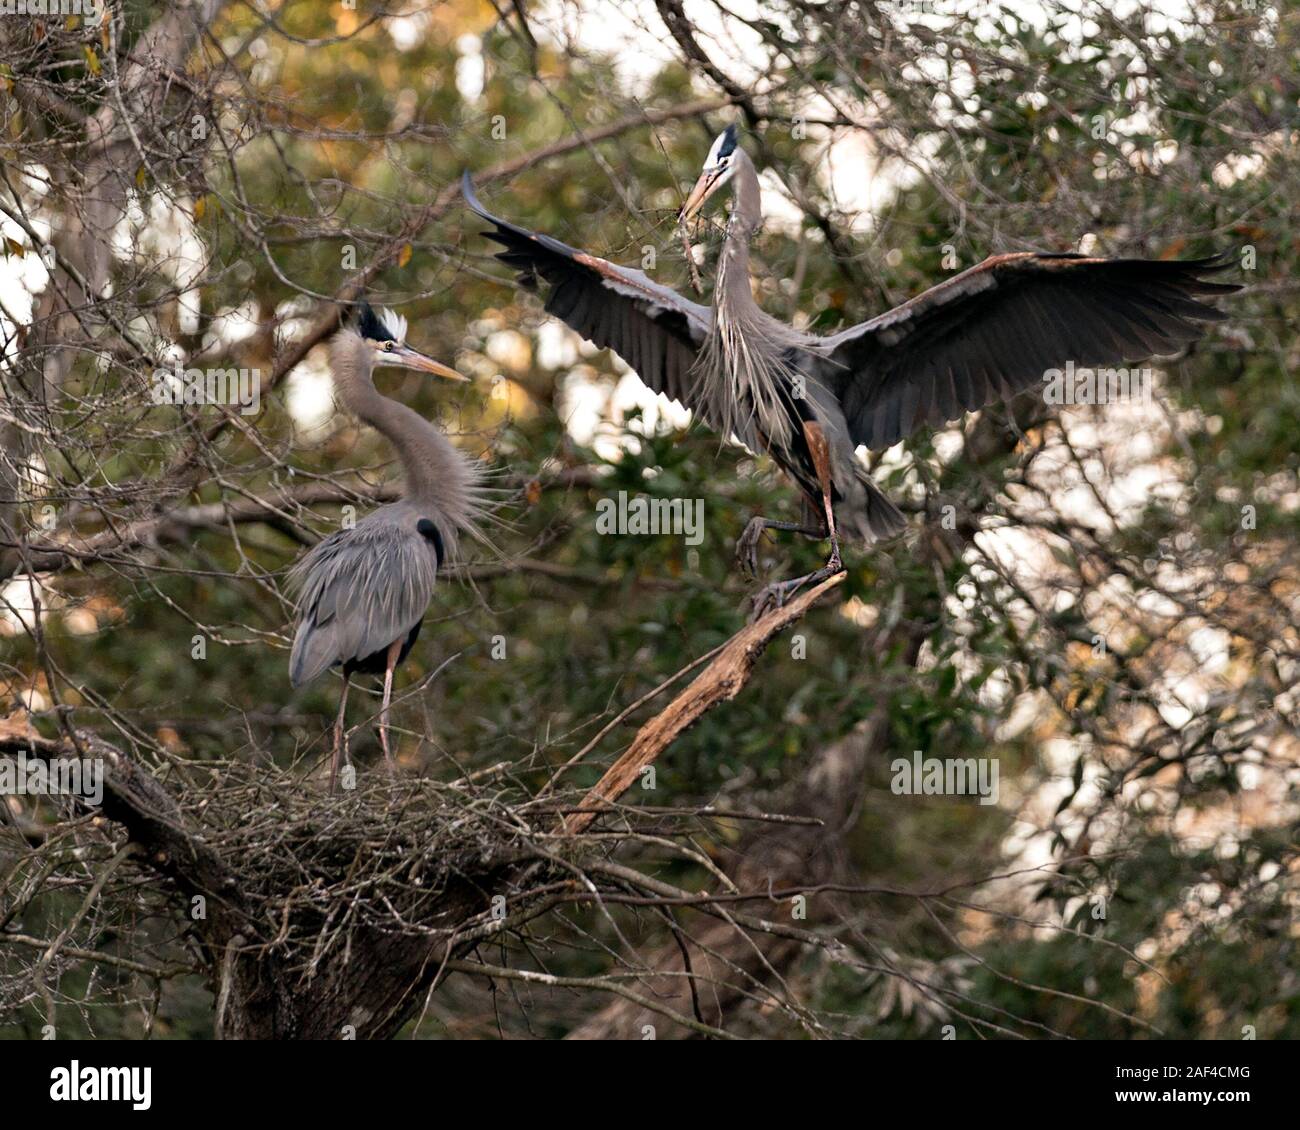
x,y
760,603
772,597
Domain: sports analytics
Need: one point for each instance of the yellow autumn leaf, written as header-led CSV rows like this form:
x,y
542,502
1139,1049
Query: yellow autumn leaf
x,y
92,60
200,207
404,256
140,177
72,23
15,248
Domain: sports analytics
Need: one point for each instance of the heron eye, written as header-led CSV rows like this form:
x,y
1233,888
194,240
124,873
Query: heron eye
x,y
388,347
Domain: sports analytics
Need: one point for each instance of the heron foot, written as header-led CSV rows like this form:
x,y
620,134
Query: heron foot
x,y
773,596
747,545
776,595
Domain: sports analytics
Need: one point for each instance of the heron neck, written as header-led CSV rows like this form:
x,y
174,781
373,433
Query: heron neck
x,y
438,476
745,219
747,199
746,370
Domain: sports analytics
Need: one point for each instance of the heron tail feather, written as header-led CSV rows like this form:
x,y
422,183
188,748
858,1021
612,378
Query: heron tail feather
x,y
875,519
314,650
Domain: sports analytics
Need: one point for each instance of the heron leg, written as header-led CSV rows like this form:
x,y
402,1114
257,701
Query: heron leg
x,y
775,595
820,450
340,735
747,546
394,650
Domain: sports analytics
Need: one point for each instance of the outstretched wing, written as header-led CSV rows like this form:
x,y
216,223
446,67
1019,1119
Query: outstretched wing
x,y
361,589
997,328
652,327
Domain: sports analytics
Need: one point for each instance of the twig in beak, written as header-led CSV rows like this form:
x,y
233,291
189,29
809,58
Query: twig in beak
x,y
689,251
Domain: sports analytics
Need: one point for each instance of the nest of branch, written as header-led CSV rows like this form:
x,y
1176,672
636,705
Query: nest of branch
x,y
311,869
292,896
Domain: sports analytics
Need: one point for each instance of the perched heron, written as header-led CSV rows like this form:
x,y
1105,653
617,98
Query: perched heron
x,y
364,590
810,401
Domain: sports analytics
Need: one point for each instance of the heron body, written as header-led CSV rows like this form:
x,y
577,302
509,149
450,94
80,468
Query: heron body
x,y
364,587
363,590
810,402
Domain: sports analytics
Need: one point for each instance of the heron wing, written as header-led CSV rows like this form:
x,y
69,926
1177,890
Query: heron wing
x,y
361,589
995,329
652,327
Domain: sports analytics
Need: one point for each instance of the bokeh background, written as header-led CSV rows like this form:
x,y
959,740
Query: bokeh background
x,y
1103,599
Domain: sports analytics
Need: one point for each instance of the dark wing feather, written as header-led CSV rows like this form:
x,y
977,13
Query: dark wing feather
x,y
652,327
361,589
995,329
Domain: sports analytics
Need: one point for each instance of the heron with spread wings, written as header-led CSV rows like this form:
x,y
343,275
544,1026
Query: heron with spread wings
x,y
810,402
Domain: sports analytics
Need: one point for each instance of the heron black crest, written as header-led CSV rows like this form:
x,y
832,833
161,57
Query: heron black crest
x,y
369,324
729,138
379,325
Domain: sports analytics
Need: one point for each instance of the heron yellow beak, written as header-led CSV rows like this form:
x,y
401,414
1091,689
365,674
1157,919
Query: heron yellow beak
x,y
705,187
409,358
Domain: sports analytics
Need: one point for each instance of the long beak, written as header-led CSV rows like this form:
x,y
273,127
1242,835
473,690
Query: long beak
x,y
410,358
704,188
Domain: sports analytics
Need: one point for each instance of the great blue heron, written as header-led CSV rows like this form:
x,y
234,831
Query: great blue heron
x,y
810,401
364,589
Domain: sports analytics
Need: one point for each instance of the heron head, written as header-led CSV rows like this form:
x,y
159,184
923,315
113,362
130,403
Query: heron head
x,y
719,166
384,334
